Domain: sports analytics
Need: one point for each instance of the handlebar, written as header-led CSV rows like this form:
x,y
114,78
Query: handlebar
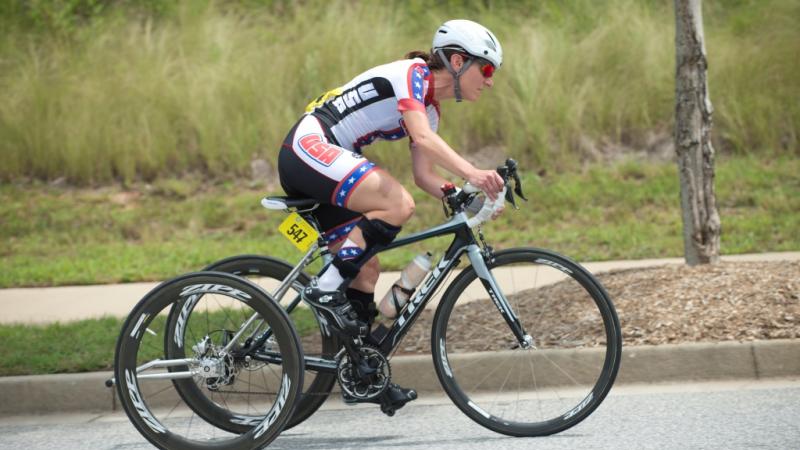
x,y
489,207
458,199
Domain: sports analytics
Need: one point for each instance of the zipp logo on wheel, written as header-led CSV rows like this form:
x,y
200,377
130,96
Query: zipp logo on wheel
x,y
321,152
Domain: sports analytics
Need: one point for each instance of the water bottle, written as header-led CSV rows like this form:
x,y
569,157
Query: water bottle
x,y
402,289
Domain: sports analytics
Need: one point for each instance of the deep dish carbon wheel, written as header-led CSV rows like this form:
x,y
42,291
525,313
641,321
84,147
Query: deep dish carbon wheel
x,y
535,391
317,341
148,373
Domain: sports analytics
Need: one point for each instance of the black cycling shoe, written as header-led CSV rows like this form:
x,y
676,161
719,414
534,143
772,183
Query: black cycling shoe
x,y
394,398
335,307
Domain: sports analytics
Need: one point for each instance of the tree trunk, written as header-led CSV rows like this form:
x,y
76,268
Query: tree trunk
x,y
701,223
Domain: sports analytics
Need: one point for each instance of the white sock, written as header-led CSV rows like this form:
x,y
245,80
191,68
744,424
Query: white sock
x,y
331,279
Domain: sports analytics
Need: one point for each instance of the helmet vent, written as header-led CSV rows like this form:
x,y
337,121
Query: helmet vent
x,y
490,43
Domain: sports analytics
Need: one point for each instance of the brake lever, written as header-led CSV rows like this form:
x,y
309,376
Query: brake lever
x,y
518,187
509,171
505,173
510,198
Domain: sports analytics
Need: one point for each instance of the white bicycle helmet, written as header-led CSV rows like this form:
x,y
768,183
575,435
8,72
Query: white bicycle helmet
x,y
471,37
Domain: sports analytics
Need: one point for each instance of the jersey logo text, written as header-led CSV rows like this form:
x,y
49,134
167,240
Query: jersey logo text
x,y
353,97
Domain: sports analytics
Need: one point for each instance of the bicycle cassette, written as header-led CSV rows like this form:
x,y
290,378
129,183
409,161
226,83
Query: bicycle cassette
x,y
366,378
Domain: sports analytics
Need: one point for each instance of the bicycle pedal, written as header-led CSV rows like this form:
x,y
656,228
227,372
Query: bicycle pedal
x,y
388,410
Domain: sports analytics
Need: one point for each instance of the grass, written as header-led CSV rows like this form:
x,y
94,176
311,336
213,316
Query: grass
x,y
60,235
155,112
207,86
68,235
82,346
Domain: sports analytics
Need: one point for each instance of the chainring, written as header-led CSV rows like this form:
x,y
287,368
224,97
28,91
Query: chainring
x,y
366,379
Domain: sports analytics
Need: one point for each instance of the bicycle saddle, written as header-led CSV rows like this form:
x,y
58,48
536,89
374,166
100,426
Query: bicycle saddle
x,y
283,202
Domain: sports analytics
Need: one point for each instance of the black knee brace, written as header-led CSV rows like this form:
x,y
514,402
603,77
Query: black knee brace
x,y
347,268
378,232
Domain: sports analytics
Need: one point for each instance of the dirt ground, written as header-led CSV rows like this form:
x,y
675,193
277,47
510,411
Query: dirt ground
x,y
739,301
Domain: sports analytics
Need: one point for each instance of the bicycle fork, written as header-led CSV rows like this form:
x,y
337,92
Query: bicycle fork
x,y
476,258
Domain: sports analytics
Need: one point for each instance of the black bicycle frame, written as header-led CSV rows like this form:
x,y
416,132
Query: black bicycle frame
x,y
463,242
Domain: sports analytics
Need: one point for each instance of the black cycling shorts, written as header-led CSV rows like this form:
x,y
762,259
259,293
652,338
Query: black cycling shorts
x,y
311,165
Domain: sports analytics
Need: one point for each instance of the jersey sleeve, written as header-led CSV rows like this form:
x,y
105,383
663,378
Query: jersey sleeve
x,y
411,85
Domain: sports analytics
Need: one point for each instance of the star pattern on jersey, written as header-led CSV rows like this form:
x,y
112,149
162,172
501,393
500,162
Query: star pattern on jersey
x,y
417,83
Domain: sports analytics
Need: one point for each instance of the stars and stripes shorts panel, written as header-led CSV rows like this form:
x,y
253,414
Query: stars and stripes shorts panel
x,y
350,182
336,222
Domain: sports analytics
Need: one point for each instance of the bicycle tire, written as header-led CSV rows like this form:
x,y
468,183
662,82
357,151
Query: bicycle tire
x,y
149,403
576,349
317,385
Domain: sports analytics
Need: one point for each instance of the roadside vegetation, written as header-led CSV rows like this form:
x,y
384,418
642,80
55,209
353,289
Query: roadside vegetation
x,y
100,91
64,236
84,345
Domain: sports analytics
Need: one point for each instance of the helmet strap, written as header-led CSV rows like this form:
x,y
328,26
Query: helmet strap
x,y
456,75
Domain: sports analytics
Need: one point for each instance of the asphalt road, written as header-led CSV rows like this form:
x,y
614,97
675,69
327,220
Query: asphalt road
x,y
729,415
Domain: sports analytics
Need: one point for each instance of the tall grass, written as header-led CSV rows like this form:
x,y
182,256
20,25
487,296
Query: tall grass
x,y
210,86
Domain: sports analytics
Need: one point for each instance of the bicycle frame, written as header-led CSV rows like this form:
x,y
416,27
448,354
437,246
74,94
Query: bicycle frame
x,y
464,242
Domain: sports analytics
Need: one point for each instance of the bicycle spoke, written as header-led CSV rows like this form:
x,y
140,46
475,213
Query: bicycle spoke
x,y
222,390
522,391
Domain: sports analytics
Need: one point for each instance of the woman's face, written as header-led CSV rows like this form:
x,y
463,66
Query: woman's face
x,y
473,81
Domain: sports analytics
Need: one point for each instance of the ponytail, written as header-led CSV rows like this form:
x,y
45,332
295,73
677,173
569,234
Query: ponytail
x,y
433,62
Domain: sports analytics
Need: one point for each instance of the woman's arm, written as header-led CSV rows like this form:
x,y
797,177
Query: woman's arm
x,y
441,154
425,175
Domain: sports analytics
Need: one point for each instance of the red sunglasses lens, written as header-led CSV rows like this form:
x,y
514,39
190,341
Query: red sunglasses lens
x,y
487,70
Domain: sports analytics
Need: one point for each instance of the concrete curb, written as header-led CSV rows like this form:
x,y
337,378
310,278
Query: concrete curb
x,y
86,392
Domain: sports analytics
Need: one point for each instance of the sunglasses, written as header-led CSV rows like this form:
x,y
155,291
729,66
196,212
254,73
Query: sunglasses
x,y
486,68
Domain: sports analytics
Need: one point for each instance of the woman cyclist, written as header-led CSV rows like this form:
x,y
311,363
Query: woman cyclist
x,y
362,206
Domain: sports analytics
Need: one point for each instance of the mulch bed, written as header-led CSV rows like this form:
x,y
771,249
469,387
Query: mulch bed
x,y
730,301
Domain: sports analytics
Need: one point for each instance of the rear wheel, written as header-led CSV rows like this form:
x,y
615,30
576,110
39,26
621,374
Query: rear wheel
x,y
553,384
154,380
317,340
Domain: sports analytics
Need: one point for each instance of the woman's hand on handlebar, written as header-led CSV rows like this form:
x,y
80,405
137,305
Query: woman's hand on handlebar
x,y
488,181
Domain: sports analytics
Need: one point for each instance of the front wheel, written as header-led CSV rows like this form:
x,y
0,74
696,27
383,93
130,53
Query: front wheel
x,y
565,372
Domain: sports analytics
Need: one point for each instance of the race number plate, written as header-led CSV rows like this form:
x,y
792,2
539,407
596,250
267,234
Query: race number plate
x,y
298,232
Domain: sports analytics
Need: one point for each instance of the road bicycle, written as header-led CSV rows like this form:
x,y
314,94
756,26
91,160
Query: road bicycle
x,y
524,341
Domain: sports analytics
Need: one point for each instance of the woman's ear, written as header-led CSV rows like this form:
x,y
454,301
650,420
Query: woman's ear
x,y
456,61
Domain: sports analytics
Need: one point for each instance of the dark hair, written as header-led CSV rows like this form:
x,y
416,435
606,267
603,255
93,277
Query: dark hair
x,y
432,60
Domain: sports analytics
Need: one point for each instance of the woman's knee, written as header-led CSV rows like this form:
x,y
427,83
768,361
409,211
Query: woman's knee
x,y
406,206
401,206
380,196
